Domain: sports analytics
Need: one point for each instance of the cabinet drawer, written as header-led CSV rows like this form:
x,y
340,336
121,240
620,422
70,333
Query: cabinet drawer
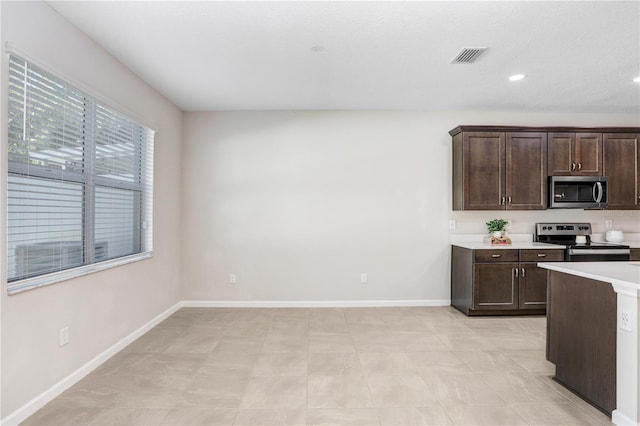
x,y
498,255
551,255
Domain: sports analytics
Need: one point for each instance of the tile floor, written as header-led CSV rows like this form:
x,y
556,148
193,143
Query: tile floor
x,y
353,366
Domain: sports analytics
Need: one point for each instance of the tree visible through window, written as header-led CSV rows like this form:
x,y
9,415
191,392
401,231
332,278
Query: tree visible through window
x,y
80,178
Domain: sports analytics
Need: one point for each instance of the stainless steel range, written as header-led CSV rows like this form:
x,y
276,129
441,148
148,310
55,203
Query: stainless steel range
x,y
577,238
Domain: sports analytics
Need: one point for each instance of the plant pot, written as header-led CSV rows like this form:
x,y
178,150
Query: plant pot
x,y
498,234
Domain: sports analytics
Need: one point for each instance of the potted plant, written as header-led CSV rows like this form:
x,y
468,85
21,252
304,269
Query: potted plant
x,y
496,227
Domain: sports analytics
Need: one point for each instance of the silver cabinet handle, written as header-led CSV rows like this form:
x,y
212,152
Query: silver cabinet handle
x,y
573,166
542,255
509,200
495,255
579,166
516,271
502,201
522,272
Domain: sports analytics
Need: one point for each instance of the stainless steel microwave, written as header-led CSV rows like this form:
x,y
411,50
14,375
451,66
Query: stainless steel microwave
x,y
578,192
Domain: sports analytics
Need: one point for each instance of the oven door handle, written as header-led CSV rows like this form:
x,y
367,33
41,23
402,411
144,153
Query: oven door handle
x,y
597,186
588,252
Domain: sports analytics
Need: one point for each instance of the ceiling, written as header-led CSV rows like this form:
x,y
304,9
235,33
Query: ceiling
x,y
355,55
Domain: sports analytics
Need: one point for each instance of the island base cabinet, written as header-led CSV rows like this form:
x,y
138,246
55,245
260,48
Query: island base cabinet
x,y
581,337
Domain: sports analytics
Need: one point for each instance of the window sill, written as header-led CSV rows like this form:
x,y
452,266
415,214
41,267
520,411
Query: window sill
x,y
56,277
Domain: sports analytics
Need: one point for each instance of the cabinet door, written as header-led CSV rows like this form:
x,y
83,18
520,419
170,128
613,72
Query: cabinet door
x,y
495,286
575,154
621,167
532,287
560,160
483,170
588,154
634,256
526,167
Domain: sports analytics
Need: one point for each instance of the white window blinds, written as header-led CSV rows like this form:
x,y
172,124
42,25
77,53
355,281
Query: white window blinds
x,y
80,179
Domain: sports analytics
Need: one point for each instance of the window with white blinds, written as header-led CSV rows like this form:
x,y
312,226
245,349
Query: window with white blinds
x,y
79,181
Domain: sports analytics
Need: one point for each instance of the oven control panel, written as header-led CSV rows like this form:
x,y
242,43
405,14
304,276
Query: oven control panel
x,y
563,229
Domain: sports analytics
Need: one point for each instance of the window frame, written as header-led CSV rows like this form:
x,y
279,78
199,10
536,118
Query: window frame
x,y
141,186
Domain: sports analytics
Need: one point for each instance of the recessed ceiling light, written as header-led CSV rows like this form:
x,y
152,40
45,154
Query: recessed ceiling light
x,y
517,77
636,80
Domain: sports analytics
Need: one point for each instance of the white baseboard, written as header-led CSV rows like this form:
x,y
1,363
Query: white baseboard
x,y
28,409
310,303
617,418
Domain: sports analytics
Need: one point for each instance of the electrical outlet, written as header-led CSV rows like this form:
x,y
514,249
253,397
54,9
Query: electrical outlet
x,y
625,321
63,336
363,278
608,224
452,224
232,278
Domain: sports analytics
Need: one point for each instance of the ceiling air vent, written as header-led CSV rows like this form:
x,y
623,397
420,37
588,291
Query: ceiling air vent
x,y
468,55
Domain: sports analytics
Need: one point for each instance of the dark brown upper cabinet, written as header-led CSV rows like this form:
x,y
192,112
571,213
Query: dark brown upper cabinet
x,y
575,154
526,168
506,167
499,170
621,166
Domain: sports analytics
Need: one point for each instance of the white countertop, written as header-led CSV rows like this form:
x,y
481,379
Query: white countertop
x,y
624,273
630,239
518,241
631,244
525,241
516,245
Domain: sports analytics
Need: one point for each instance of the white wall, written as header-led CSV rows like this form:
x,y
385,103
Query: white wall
x,y
101,308
298,204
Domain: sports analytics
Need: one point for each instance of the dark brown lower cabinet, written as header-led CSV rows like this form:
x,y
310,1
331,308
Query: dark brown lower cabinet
x,y
581,337
500,281
634,256
532,292
499,286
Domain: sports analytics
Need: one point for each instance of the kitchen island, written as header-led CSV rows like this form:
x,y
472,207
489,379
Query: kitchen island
x,y
592,324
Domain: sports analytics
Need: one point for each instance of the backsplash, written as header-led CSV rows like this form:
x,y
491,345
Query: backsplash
x,y
523,222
